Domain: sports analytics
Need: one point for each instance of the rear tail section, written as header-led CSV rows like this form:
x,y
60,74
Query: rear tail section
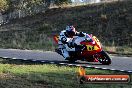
x,y
56,38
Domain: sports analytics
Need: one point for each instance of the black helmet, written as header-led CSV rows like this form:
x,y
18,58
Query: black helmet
x,y
71,31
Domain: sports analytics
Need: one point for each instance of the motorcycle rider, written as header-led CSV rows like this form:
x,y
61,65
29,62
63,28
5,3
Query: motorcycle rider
x,y
66,37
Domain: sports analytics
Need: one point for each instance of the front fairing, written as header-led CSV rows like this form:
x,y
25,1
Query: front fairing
x,y
92,47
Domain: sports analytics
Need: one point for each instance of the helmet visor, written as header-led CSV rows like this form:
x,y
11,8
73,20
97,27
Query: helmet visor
x,y
71,33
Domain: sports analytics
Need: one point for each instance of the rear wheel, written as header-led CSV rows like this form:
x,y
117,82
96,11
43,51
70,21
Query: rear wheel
x,y
104,58
71,60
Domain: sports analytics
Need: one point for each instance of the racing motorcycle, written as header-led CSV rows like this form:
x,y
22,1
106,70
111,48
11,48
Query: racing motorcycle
x,y
87,48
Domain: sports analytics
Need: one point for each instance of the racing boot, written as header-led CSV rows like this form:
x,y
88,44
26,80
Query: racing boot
x,y
65,54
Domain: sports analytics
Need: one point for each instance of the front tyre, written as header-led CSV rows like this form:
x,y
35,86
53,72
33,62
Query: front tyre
x,y
104,58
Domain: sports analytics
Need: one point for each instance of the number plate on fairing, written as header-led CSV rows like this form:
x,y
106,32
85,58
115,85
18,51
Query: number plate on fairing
x,y
91,48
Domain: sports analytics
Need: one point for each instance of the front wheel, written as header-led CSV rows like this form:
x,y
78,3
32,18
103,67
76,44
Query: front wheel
x,y
104,58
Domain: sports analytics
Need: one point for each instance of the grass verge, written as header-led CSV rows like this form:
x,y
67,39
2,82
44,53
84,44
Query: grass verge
x,y
18,74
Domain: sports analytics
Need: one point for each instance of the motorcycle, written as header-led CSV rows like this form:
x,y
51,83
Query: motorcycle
x,y
87,48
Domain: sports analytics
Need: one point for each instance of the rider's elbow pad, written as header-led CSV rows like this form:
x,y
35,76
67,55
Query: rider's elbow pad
x,y
63,40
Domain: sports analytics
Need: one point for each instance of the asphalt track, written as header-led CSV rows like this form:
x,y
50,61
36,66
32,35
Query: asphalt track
x,y
123,64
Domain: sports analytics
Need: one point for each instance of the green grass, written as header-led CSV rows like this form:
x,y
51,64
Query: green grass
x,y
119,49
18,74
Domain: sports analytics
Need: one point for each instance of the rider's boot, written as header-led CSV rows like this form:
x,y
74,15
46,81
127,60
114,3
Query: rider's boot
x,y
65,54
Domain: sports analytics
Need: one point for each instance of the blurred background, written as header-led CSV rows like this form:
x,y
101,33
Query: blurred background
x,y
31,24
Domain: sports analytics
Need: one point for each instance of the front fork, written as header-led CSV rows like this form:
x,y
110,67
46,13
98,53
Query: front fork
x,y
97,57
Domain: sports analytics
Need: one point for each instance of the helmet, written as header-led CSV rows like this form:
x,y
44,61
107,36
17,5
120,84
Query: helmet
x,y
70,30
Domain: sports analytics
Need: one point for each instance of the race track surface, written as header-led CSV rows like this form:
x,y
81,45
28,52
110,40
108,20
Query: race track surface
x,y
118,63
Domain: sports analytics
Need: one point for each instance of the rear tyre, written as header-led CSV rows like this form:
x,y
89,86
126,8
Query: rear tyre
x,y
104,59
71,60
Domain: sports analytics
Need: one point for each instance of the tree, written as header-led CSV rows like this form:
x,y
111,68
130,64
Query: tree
x,y
3,5
59,2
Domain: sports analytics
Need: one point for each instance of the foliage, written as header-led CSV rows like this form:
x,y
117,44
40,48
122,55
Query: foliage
x,y
3,5
60,2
